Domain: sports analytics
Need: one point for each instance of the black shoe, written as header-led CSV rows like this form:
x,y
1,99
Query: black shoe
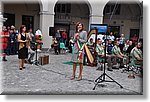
x,y
122,66
20,68
4,60
24,67
131,76
115,68
109,69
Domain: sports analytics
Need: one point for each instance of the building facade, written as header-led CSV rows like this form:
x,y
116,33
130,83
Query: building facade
x,y
63,15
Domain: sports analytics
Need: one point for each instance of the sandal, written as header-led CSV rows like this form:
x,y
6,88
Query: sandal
x,y
73,77
79,78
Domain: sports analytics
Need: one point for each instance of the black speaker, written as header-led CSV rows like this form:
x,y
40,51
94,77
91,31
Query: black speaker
x,y
51,31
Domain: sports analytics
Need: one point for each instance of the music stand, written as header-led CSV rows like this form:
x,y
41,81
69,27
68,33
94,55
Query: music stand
x,y
102,78
36,62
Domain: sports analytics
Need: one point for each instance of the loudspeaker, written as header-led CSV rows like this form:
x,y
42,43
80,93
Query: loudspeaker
x,y
51,31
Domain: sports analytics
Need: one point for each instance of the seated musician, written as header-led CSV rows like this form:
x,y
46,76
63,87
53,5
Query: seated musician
x,y
136,54
55,45
90,45
131,46
109,47
101,53
31,54
118,55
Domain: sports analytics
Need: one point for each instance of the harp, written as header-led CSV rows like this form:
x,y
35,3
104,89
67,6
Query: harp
x,y
91,57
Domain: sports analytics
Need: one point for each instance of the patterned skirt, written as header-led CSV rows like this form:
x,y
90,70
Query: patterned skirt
x,y
75,58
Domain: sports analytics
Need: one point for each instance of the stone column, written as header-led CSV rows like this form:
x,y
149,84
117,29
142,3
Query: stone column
x,y
46,21
1,17
1,68
96,16
141,20
96,19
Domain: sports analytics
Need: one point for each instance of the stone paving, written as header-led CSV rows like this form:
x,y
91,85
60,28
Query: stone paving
x,y
54,78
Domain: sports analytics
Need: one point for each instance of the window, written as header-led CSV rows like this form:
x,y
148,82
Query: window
x,y
115,30
63,8
58,8
28,21
133,32
10,19
110,7
68,9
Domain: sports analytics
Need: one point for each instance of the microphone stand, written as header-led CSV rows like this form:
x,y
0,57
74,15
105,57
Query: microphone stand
x,y
36,62
102,78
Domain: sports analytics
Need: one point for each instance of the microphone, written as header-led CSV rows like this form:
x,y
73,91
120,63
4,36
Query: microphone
x,y
78,30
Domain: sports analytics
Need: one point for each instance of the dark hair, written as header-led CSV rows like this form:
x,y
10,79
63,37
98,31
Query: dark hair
x,y
115,42
11,29
136,43
78,25
91,38
22,26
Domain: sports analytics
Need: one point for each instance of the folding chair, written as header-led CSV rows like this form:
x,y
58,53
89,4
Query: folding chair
x,y
62,47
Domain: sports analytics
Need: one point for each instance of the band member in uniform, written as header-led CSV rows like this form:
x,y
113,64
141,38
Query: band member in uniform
x,y
136,53
117,53
80,38
101,54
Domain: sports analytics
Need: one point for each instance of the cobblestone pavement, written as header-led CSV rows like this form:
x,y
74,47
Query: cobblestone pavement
x,y
54,78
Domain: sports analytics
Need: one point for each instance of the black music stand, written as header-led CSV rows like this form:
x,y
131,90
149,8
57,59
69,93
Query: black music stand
x,y
102,78
36,62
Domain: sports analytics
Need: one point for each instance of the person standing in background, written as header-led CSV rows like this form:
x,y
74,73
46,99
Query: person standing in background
x,y
121,42
12,40
58,38
111,37
32,36
57,35
64,36
71,45
32,47
16,43
4,42
134,39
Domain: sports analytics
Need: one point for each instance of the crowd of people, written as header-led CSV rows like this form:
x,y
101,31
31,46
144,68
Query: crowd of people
x,y
59,41
13,43
9,41
118,50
